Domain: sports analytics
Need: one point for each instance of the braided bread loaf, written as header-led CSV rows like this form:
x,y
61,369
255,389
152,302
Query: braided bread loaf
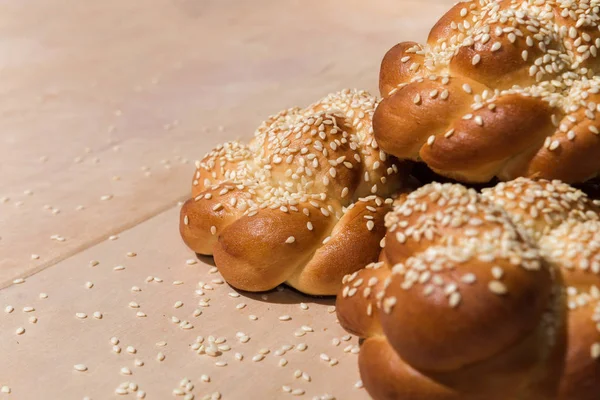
x,y
482,296
501,89
303,203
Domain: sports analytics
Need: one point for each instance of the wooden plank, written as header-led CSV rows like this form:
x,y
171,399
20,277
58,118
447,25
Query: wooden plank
x,y
95,91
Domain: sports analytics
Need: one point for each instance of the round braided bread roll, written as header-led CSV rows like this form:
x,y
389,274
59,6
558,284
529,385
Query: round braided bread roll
x,y
501,89
482,296
303,203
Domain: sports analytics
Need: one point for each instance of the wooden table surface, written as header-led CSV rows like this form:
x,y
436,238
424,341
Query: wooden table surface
x,y
104,106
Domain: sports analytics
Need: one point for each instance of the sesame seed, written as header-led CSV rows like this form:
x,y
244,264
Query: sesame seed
x,y
290,239
285,318
80,367
20,331
370,225
496,46
301,346
430,140
497,287
468,278
497,272
454,299
595,351
9,309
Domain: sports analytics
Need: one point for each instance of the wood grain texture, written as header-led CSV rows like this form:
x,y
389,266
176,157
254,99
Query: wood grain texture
x,y
114,100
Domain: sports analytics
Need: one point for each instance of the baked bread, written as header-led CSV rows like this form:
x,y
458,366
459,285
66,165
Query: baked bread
x,y
303,203
565,223
501,89
481,296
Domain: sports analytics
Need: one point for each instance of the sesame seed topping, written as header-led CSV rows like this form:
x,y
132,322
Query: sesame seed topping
x,y
497,287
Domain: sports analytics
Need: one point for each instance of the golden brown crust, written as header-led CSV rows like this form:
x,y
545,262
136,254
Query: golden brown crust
x,y
302,203
349,245
396,379
527,100
582,374
357,304
393,71
485,296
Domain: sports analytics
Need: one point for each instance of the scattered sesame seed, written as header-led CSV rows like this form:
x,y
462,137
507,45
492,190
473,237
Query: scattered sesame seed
x,y
301,346
80,367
